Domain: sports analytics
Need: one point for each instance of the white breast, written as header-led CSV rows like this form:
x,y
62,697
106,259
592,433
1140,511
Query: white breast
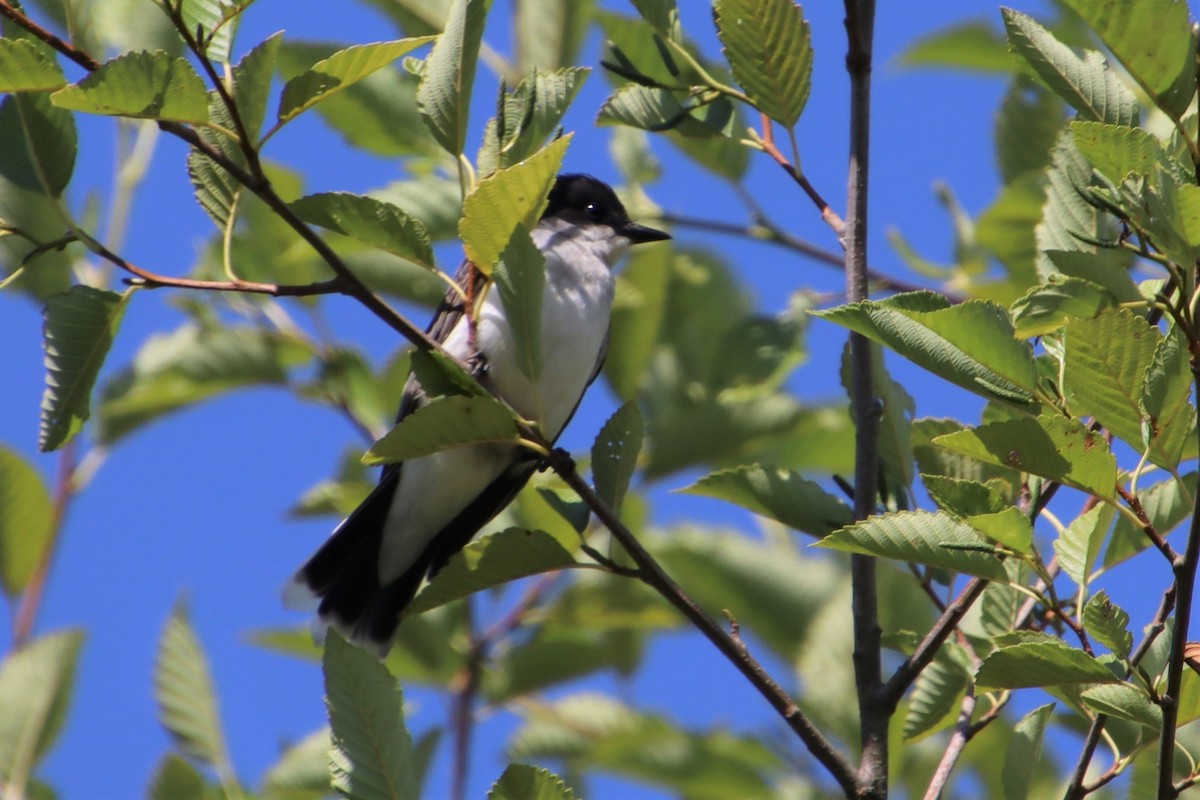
x,y
576,308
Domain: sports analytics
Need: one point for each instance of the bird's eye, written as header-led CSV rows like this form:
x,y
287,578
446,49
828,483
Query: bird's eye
x,y
595,211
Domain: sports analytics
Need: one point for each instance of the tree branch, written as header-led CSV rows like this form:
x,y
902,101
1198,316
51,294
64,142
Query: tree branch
x,y
653,575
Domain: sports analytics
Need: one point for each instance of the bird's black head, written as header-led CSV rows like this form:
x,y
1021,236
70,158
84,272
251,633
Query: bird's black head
x,y
584,200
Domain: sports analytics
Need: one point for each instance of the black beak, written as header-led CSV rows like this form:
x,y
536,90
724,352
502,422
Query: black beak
x,y
639,234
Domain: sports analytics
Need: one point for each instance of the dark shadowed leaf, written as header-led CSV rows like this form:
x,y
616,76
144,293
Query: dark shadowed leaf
x,y
492,561
78,331
615,454
372,755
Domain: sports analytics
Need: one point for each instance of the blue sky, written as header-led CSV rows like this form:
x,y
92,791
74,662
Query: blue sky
x,y
194,505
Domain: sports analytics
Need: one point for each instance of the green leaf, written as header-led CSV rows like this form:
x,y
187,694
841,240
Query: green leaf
x,y
185,695
442,424
656,109
78,331
1108,624
963,498
531,112
1124,701
782,495
302,769
1010,527
218,19
522,782
937,540
1078,546
25,66
1024,750
339,71
35,690
374,222
970,344
372,755
1027,126
191,364
1046,308
377,113
1054,447
440,375
520,277
1105,368
968,45
557,654
26,521
769,47
142,85
252,82
1165,397
1086,82
1167,504
1117,150
491,561
1041,663
444,94
506,200
176,779
1070,225
1153,40
615,454
40,155
936,696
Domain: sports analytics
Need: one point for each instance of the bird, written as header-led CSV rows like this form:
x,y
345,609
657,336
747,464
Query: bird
x,y
426,509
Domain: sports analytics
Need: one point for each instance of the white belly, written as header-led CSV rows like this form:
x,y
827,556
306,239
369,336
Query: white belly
x,y
575,317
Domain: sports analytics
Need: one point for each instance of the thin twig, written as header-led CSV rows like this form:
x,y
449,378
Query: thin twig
x,y
763,232
31,598
1156,538
831,217
653,575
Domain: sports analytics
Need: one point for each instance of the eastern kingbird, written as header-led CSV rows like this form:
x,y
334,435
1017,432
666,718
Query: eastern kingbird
x,y
427,509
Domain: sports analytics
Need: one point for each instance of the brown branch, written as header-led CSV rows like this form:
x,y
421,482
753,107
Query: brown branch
x,y
1076,788
963,731
653,575
769,147
763,232
260,186
1156,538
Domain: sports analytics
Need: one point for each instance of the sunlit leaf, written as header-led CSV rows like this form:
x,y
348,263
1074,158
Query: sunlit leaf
x,y
506,200
303,768
140,84
1165,70
521,782
1046,308
1108,623
340,70
1054,447
1042,663
26,67
937,540
1078,547
26,521
1167,504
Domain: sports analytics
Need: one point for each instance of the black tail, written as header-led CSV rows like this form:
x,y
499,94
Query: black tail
x,y
344,573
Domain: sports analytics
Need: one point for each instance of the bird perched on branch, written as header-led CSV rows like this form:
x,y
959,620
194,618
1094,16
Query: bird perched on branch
x,y
427,509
